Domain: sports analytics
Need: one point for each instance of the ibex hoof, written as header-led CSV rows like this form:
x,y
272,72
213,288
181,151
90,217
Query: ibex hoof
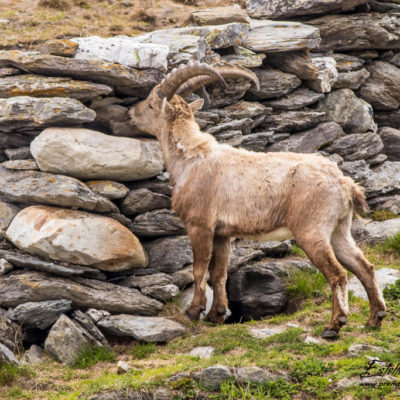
x,y
381,314
342,320
329,334
192,314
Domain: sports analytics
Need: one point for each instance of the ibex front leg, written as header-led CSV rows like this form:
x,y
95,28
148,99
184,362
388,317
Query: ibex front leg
x,y
202,243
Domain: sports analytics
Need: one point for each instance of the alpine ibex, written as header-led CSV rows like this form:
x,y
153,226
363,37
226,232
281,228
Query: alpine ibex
x,y
222,192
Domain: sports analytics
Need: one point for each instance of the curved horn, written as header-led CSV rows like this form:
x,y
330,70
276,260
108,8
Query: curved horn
x,y
226,71
179,76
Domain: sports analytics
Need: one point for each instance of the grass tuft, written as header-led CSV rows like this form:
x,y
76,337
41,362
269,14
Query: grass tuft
x,y
55,4
143,350
305,284
391,245
90,356
383,215
296,250
9,372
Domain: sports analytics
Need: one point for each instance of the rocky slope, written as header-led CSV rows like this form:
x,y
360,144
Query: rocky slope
x,y
90,242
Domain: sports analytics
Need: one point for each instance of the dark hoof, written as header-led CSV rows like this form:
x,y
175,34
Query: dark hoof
x,y
330,334
193,315
342,320
215,318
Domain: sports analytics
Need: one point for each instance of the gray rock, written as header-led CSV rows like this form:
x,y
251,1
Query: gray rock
x,y
254,375
157,223
300,98
244,125
122,50
365,54
388,203
225,96
207,118
9,72
144,329
66,341
205,352
357,146
158,185
14,140
90,330
61,269
385,178
242,110
6,355
250,60
356,350
83,293
375,232
346,62
5,266
295,62
143,200
270,36
273,83
59,47
157,279
385,118
45,86
219,15
233,138
327,74
345,108
96,315
20,153
125,80
122,367
262,333
10,332
39,314
312,340
161,292
88,154
21,164
40,113
169,254
351,79
391,142
358,170
40,187
212,377
33,356
7,213
376,160
255,291
257,141
311,140
293,121
358,31
109,189
381,89
275,9
383,6
183,277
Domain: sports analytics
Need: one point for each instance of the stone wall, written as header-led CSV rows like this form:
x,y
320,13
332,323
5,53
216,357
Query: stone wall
x,y
89,239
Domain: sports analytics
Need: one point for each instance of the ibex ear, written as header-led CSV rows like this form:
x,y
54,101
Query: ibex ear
x,y
196,105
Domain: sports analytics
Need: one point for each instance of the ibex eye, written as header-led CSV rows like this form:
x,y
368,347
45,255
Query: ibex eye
x,y
150,106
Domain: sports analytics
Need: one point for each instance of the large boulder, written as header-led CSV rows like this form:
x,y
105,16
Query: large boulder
x,y
125,80
144,329
122,50
276,9
271,36
26,113
41,187
76,237
83,293
45,86
88,154
382,88
358,31
345,108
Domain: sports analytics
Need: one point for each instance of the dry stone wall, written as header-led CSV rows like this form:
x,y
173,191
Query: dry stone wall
x,y
89,240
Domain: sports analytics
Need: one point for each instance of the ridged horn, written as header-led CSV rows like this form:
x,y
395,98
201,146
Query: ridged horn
x,y
179,76
227,71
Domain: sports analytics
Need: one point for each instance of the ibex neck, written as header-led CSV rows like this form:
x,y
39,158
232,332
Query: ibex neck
x,y
183,145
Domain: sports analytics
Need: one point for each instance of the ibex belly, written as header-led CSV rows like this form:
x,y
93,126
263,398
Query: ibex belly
x,y
280,234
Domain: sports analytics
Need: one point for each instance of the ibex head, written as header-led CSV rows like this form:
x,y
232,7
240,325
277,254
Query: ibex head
x,y
147,115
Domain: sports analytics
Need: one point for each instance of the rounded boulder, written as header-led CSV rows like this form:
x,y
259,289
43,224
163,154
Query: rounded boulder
x,y
76,237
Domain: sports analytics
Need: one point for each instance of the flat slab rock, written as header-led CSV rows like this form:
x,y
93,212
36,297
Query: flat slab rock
x,y
391,142
276,9
29,187
45,86
59,47
219,15
144,329
76,237
384,276
300,98
142,200
270,36
122,50
83,293
125,80
88,154
26,113
358,31
109,189
375,232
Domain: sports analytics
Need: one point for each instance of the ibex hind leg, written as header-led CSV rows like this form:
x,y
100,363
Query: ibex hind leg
x,y
202,244
351,257
322,256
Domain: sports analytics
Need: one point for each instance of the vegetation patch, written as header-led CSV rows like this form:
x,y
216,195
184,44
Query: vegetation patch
x,y
90,356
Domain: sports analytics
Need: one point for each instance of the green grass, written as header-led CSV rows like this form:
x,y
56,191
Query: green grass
x,y
143,350
382,215
297,251
90,356
392,244
9,372
306,284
